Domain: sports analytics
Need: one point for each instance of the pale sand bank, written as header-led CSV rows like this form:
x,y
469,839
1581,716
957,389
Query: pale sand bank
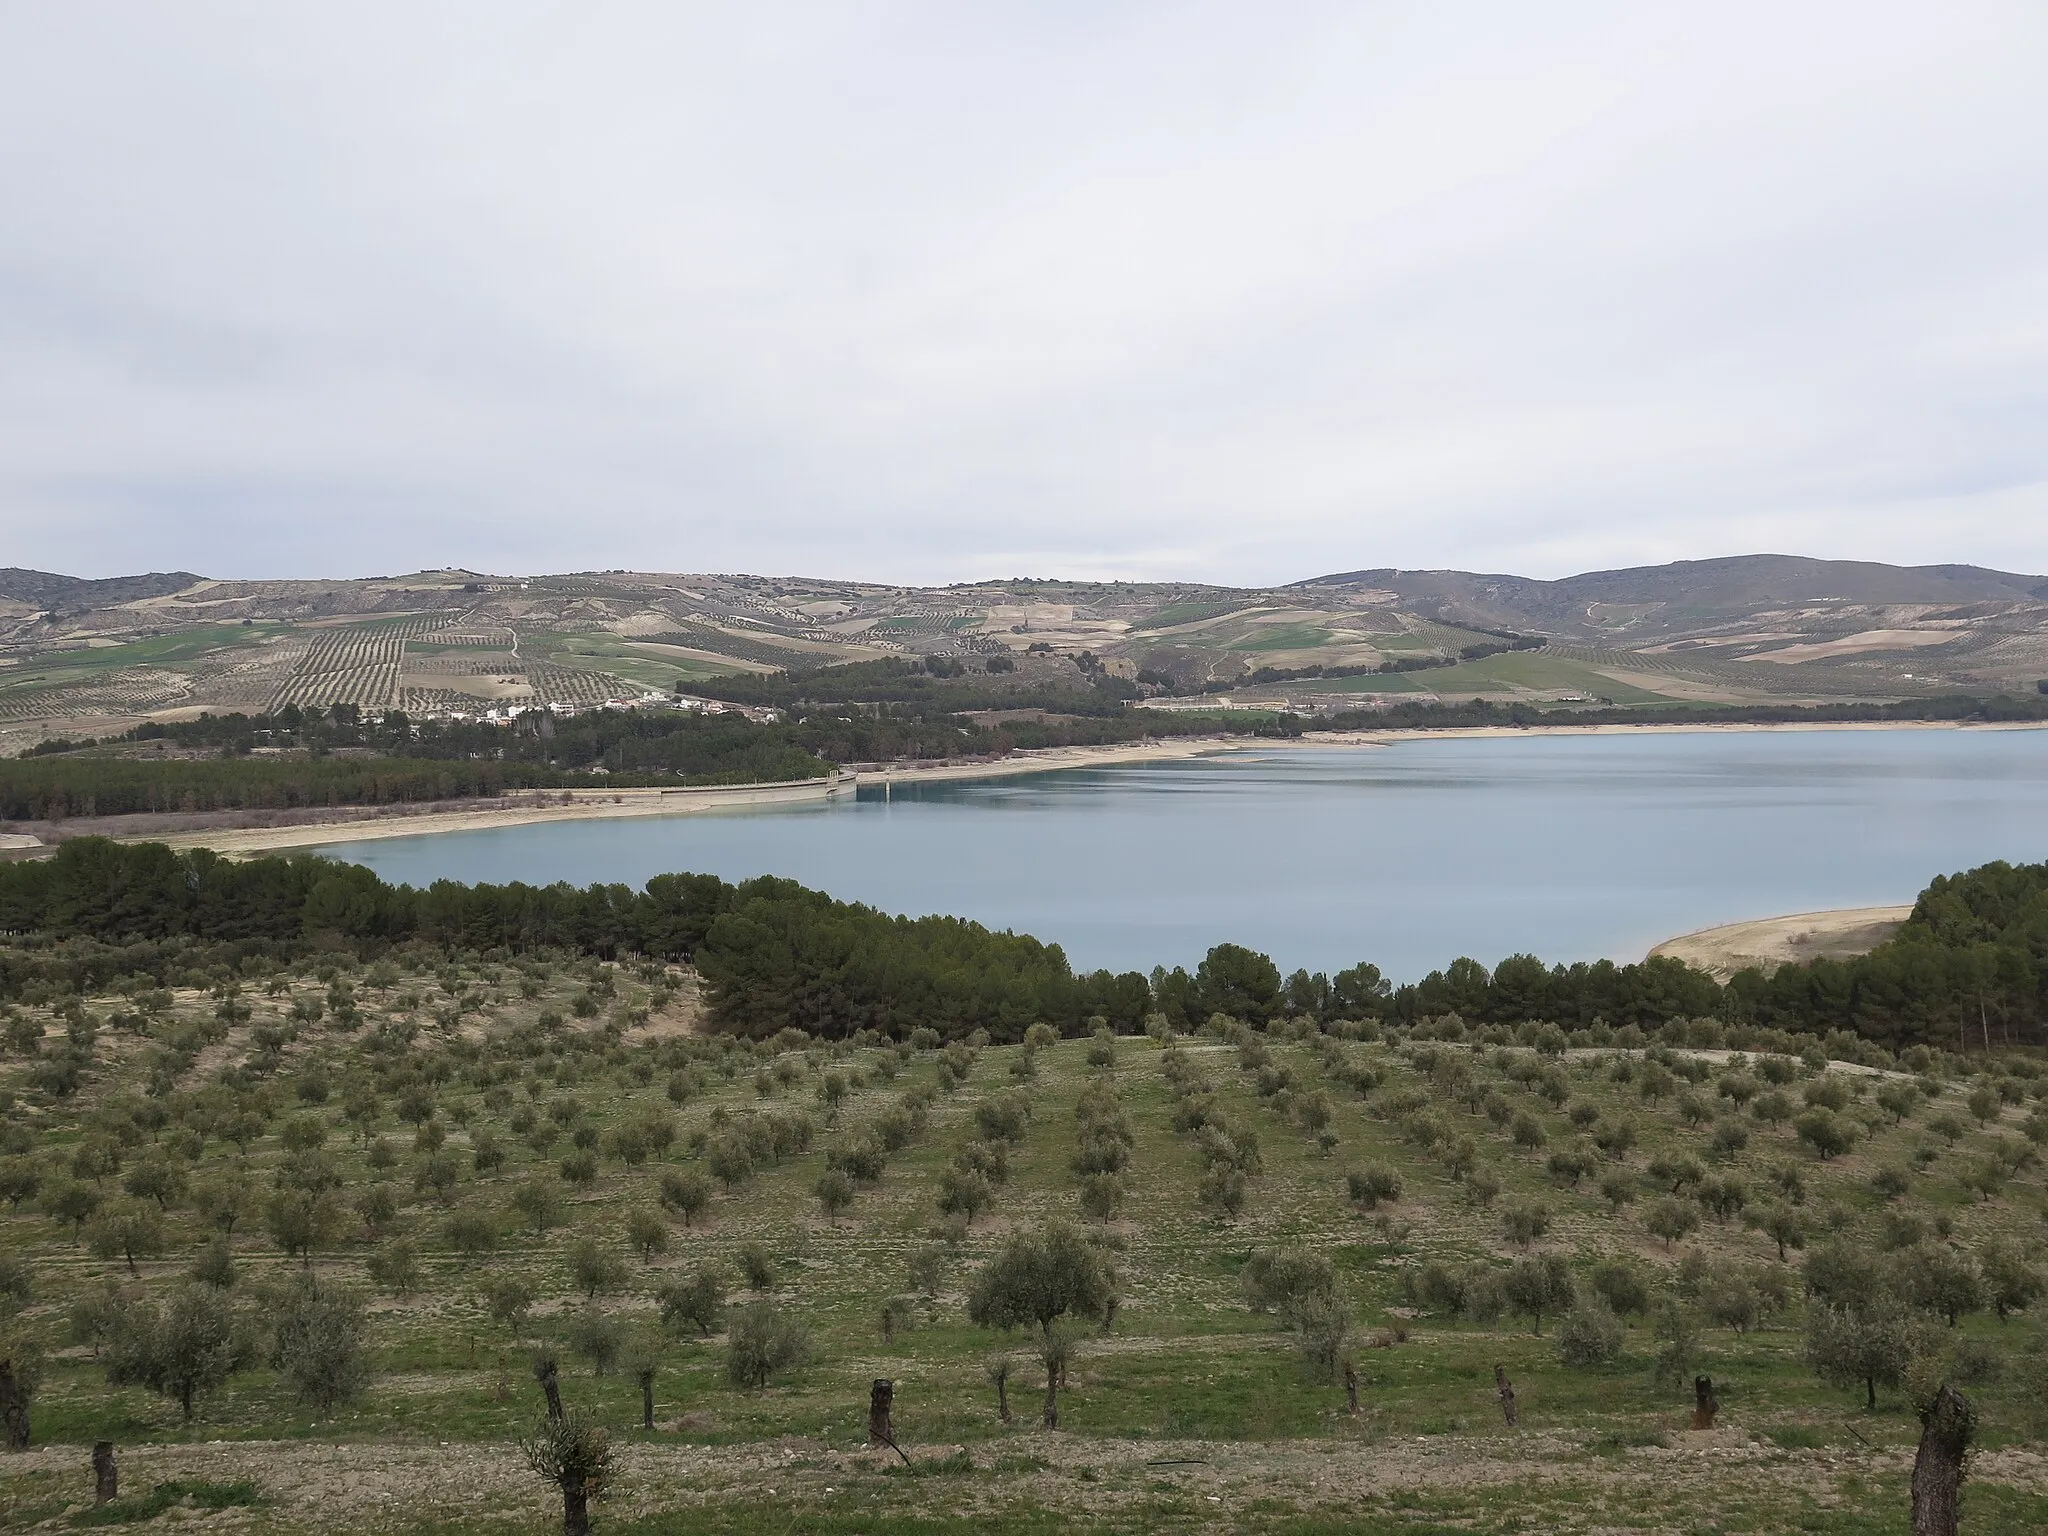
x,y
562,805
1054,759
1770,942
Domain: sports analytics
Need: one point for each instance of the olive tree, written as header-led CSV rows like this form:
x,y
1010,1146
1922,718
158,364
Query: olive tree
x,y
762,1341
1590,1334
184,1347
126,1230
318,1345
1043,1277
697,1300
574,1457
1869,1346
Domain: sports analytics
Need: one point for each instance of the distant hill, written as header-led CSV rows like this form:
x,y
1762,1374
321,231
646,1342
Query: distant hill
x,y
47,590
81,657
1687,593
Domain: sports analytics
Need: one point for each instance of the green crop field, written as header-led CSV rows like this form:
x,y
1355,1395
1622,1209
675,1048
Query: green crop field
x,y
184,647
1500,676
620,658
495,1156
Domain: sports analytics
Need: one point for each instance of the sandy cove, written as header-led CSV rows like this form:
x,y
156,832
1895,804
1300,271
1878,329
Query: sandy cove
x,y
601,804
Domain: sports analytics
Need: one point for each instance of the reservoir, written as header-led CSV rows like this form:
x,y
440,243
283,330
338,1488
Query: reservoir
x,y
1408,855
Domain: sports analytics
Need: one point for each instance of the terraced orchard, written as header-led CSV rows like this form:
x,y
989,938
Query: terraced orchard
x,y
303,1245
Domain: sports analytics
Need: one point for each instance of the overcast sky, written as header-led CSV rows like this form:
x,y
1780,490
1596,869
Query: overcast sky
x,y
1240,293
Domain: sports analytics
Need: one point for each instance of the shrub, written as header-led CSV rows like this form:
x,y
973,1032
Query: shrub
x,y
598,1337
1590,1334
319,1346
1102,1195
1525,1221
1538,1285
539,1200
1437,1287
1671,1220
834,1191
1862,1346
1622,1286
647,1233
697,1300
1828,1134
471,1231
507,1298
1372,1187
181,1348
1274,1279
1322,1331
215,1265
595,1268
1005,1117
1677,1332
763,1341
395,1267
686,1192
1618,1189
128,1230
756,1267
964,1192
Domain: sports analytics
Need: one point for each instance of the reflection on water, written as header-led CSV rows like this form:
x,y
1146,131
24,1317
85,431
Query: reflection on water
x,y
1571,847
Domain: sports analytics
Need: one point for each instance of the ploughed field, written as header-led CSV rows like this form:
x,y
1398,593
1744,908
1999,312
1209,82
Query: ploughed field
x,y
497,1158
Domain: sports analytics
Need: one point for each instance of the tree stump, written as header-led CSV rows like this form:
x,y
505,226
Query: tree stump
x,y
1946,1429
575,1507
544,1372
1350,1389
13,1407
881,1419
1506,1389
106,1476
1705,1403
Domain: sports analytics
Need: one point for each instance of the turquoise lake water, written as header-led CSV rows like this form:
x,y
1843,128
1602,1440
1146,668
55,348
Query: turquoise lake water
x,y
1570,847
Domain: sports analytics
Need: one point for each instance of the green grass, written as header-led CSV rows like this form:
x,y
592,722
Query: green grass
x,y
1187,1372
172,650
1499,676
1284,637
164,1496
649,666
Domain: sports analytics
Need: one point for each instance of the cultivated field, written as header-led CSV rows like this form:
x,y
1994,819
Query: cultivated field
x,y
92,658
502,1156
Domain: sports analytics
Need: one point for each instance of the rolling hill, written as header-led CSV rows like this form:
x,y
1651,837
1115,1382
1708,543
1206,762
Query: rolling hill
x,y
80,656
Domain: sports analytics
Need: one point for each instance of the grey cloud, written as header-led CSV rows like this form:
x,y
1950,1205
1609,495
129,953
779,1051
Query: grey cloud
x,y
1236,293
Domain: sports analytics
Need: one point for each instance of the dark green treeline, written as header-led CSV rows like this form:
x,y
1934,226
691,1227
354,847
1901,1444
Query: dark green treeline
x,y
1966,972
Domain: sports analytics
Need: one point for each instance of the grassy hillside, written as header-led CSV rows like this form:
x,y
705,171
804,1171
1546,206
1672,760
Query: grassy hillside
x,y
491,1124
1746,630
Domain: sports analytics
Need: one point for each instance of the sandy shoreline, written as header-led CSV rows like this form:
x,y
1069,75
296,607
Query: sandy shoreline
x,y
566,805
1769,942
600,804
